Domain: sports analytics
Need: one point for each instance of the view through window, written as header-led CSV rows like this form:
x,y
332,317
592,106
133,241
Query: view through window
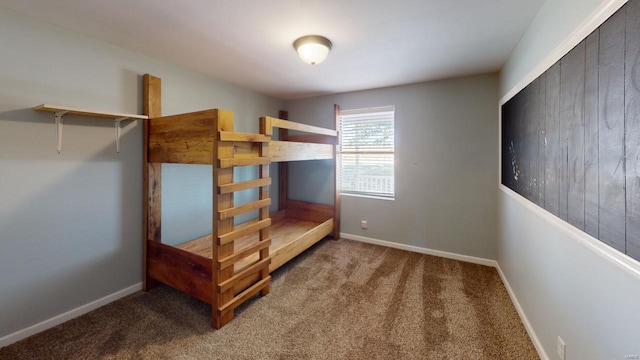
x,y
367,152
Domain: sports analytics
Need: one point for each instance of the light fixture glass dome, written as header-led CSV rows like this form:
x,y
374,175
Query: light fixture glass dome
x,y
312,49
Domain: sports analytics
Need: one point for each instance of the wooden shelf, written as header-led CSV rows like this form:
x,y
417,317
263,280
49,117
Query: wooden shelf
x,y
85,112
61,111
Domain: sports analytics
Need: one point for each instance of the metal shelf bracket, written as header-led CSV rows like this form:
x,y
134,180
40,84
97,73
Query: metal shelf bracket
x,y
117,124
58,117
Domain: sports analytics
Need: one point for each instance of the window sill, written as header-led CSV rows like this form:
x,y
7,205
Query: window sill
x,y
368,196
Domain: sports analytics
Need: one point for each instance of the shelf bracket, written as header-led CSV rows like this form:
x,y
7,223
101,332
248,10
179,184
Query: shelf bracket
x,y
58,117
117,124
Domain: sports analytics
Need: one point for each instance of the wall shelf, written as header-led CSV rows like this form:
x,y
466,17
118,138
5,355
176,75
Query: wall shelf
x,y
61,111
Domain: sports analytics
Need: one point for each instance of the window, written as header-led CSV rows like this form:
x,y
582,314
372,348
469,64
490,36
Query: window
x,y
367,152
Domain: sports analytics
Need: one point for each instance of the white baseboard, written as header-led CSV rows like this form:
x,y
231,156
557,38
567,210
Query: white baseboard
x,y
421,250
523,317
59,319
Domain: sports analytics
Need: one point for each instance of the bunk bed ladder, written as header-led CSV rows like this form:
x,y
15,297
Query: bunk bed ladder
x,y
234,286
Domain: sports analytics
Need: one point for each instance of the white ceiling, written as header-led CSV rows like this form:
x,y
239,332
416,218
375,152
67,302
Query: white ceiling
x,y
376,43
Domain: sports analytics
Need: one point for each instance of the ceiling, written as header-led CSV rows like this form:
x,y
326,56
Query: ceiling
x,y
376,43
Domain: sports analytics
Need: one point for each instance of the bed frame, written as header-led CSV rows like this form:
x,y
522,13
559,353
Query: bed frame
x,y
230,266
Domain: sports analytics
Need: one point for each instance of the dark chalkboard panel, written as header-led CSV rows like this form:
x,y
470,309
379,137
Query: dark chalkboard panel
x,y
632,127
540,176
611,131
571,138
553,152
591,164
572,69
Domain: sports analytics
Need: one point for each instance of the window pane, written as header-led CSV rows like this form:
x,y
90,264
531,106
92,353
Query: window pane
x,y
367,152
369,174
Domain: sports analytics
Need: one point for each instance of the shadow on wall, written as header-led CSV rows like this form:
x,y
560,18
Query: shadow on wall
x,y
72,222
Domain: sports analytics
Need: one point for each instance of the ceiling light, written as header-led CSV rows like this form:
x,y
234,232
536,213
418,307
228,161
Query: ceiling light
x,y
312,49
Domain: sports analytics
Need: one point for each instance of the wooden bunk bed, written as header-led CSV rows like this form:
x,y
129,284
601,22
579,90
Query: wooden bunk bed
x,y
233,264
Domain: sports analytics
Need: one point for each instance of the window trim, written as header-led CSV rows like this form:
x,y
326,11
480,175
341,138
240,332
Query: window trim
x,y
364,194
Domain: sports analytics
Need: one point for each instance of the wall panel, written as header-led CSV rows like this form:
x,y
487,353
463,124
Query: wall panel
x,y
632,128
579,124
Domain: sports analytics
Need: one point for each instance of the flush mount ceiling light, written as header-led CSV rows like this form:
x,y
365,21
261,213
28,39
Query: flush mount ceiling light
x,y
312,49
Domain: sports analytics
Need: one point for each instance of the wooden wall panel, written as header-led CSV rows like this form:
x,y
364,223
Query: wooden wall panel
x,y
552,140
517,146
529,163
508,172
591,169
571,138
572,115
632,128
611,131
541,138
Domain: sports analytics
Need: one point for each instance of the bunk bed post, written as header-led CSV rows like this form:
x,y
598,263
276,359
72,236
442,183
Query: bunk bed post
x,y
151,189
263,194
221,176
336,176
283,167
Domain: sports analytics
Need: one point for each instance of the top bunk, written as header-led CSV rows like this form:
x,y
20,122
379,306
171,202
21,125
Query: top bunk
x,y
194,138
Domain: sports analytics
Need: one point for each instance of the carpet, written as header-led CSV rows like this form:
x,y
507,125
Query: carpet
x,y
338,300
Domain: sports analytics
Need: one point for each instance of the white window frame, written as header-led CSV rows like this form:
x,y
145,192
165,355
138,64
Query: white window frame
x,y
382,186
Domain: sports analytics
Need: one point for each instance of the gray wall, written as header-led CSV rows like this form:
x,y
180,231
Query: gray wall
x,y
555,21
446,165
564,287
71,224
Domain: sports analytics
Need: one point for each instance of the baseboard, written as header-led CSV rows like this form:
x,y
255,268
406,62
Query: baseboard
x,y
523,317
59,319
421,250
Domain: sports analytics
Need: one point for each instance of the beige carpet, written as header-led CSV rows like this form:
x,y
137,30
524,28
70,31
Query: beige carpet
x,y
339,300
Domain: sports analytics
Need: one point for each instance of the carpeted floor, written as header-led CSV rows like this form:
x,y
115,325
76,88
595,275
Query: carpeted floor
x,y
339,300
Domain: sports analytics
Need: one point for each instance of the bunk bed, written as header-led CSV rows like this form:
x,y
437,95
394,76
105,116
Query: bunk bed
x,y
233,264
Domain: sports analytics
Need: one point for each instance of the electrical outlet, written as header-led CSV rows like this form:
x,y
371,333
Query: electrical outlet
x,y
562,348
363,224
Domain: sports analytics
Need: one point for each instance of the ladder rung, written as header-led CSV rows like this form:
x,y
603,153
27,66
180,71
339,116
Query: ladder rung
x,y
242,230
244,296
229,283
243,253
243,185
241,209
231,162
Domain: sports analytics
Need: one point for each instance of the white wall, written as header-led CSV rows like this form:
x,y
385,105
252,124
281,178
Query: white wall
x,y
71,224
565,286
446,165
557,21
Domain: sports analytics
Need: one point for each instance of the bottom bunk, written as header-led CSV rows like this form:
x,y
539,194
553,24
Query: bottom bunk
x,y
188,266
